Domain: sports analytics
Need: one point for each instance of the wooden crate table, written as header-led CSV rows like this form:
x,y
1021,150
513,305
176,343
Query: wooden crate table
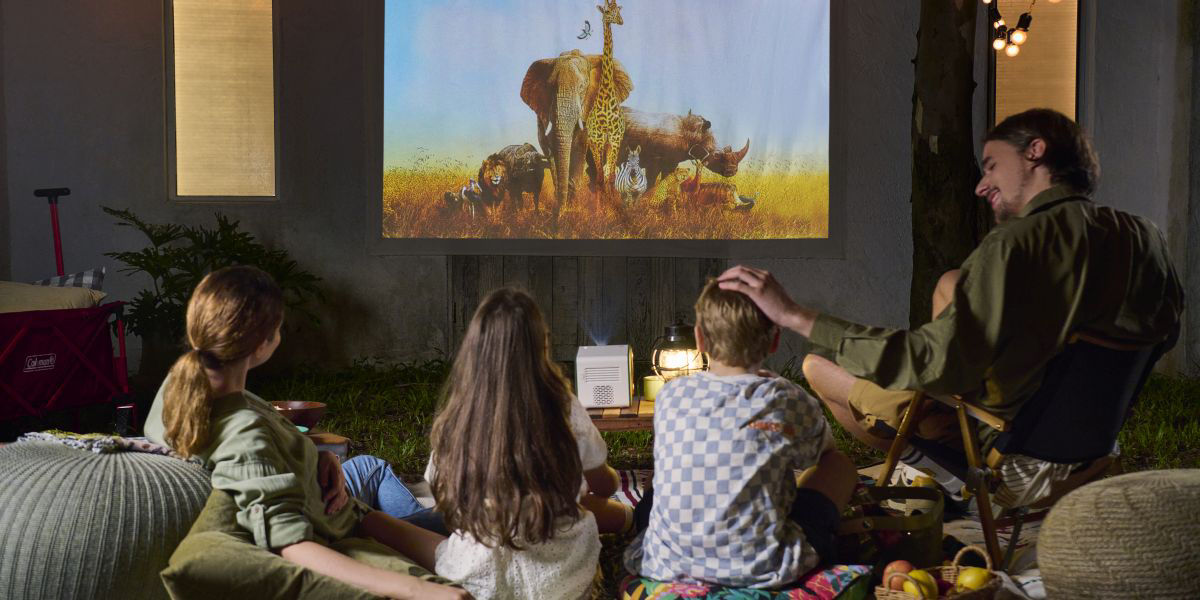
x,y
337,444
638,416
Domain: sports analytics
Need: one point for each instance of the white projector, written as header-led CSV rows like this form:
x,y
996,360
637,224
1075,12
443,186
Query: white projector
x,y
604,376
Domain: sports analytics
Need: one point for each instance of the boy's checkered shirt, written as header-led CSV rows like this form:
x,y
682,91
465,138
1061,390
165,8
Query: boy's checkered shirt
x,y
724,453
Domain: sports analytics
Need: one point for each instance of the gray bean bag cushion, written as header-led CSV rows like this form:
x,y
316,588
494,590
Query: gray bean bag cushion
x,y
75,524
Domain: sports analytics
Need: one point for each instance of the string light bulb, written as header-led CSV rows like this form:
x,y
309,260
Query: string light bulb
x,y
1022,30
1009,39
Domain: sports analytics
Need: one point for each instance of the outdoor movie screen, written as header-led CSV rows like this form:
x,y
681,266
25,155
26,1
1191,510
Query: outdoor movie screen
x,y
589,119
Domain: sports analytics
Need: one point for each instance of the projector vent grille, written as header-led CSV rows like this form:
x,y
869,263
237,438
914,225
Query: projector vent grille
x,y
602,394
602,374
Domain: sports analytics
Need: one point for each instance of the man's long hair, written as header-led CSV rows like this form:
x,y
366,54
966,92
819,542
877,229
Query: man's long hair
x,y
507,466
1069,155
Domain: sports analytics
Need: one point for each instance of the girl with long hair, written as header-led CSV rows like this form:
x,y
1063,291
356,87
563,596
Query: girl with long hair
x,y
511,447
258,456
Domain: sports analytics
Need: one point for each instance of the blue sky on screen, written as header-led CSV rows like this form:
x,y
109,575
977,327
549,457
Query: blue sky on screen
x,y
757,69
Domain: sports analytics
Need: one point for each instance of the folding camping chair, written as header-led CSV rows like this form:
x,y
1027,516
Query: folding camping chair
x,y
1074,417
63,359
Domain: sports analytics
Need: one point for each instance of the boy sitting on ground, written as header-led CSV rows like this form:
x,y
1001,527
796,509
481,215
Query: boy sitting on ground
x,y
727,509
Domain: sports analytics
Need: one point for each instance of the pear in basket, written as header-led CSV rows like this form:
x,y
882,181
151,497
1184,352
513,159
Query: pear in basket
x,y
971,578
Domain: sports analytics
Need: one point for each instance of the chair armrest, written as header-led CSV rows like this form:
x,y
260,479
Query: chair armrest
x,y
976,411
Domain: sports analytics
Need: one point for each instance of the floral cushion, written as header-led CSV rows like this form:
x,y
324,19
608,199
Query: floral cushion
x,y
843,582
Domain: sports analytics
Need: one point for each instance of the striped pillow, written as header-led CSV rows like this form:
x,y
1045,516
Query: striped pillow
x,y
92,279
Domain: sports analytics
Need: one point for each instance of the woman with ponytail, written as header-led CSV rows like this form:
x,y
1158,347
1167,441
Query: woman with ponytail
x,y
257,456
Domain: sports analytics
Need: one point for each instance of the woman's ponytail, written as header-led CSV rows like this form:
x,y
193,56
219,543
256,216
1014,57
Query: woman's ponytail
x,y
187,405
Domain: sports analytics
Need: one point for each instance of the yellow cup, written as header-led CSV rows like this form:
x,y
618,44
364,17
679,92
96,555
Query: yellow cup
x,y
650,386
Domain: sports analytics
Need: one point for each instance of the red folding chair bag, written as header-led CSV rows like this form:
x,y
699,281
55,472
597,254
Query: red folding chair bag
x,y
57,359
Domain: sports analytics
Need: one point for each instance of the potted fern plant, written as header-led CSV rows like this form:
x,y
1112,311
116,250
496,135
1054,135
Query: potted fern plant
x,y
176,259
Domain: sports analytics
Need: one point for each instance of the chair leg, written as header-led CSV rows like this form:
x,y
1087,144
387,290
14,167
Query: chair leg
x,y
1018,521
912,414
981,494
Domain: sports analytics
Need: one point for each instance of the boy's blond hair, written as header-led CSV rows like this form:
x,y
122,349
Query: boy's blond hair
x,y
736,332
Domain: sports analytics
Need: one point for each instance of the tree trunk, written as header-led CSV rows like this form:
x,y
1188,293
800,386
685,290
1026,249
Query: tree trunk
x,y
947,219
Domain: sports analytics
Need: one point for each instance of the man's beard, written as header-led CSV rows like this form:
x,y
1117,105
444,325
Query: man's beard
x,y
1008,212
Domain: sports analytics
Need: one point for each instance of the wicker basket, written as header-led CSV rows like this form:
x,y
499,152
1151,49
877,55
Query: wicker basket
x,y
948,574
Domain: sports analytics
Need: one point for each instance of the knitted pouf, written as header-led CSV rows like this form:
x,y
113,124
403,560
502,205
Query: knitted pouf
x,y
1132,536
74,524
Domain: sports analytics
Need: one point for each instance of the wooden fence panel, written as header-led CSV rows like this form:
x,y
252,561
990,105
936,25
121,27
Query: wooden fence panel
x,y
586,300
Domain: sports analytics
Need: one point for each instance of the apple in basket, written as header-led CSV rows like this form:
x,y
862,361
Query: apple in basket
x,y
896,566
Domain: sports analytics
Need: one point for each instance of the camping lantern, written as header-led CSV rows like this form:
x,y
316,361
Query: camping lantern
x,y
675,352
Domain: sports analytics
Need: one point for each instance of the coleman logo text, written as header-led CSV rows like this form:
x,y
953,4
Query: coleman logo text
x,y
39,362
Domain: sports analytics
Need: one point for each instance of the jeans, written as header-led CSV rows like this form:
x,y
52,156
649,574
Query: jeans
x,y
371,480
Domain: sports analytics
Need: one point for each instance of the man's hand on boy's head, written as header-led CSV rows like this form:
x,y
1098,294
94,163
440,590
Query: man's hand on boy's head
x,y
769,295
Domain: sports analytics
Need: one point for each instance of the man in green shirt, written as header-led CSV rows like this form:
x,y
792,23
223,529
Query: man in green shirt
x,y
1055,264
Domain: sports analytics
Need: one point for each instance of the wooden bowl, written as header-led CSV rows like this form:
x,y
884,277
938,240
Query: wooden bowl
x,y
301,412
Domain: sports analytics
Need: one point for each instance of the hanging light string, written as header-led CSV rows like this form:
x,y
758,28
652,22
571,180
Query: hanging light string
x,y
1009,39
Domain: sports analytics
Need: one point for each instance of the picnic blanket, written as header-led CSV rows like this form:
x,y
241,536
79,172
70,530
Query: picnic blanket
x,y
633,484
99,443
1024,576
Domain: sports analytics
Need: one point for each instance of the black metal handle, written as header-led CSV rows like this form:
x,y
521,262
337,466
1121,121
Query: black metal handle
x,y
52,193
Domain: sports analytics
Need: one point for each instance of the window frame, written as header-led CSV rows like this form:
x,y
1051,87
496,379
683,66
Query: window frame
x,y
1085,26
171,164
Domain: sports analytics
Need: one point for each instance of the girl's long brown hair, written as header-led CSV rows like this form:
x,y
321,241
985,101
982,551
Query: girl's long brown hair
x,y
231,313
507,466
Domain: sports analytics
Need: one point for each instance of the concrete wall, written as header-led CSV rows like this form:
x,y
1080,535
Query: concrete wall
x,y
871,282
1138,110
85,110
83,92
1191,269
5,246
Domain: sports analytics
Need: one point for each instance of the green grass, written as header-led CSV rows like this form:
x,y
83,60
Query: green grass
x,y
1163,432
386,409
629,449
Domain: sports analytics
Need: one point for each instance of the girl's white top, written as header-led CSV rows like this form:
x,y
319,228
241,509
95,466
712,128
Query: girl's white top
x,y
561,568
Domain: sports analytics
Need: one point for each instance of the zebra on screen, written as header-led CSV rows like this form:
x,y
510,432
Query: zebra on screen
x,y
631,178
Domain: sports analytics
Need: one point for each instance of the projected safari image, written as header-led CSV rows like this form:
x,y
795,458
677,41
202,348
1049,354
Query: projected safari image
x,y
593,119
